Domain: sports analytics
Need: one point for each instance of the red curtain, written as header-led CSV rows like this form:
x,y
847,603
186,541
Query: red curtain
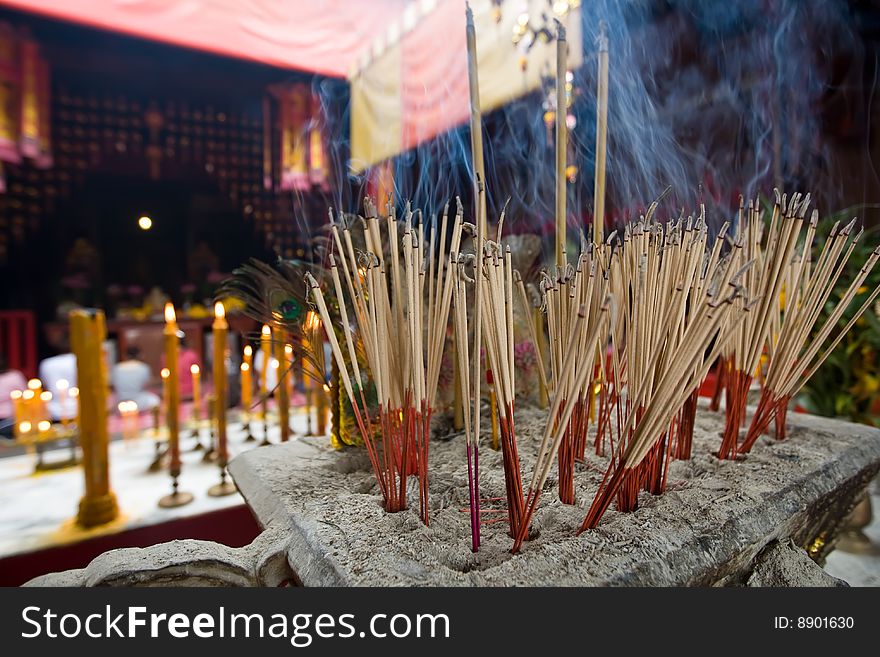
x,y
323,36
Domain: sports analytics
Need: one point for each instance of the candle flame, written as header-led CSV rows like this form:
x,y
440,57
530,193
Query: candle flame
x,y
274,363
194,369
35,384
46,396
74,392
15,395
326,388
44,425
266,330
288,350
28,394
127,407
245,367
62,384
165,373
219,310
248,350
24,427
169,313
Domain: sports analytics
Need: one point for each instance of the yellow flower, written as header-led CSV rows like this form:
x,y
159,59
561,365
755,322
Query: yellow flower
x,y
866,387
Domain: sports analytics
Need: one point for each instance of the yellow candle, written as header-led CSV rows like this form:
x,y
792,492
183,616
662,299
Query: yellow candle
x,y
27,408
74,394
266,348
164,373
128,412
15,396
173,399
288,366
87,332
196,374
220,329
63,385
35,387
246,386
43,406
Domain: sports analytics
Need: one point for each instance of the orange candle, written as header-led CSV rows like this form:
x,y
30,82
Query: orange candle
x,y
246,386
220,329
266,348
173,389
196,374
15,396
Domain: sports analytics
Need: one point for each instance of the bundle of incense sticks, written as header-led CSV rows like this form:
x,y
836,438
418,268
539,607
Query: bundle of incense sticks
x,y
676,309
586,327
769,256
773,331
564,295
493,272
793,355
401,326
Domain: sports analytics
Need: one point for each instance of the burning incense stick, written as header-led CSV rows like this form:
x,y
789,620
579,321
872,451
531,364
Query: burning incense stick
x,y
601,139
561,142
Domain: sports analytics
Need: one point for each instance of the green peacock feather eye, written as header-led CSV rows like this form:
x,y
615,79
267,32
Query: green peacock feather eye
x,y
290,310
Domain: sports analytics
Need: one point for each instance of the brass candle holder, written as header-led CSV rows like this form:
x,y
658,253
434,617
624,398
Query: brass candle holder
x,y
176,497
211,454
246,423
264,406
225,487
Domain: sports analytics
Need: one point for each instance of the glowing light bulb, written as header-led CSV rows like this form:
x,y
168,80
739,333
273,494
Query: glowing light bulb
x,y
145,223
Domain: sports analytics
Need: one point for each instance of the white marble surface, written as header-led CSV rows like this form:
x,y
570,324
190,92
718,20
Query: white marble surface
x,y
37,510
861,569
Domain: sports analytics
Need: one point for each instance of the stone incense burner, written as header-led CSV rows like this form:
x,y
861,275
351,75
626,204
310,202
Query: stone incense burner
x,y
769,519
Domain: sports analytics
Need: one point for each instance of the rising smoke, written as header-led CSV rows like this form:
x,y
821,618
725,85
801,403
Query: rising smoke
x,y
711,98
